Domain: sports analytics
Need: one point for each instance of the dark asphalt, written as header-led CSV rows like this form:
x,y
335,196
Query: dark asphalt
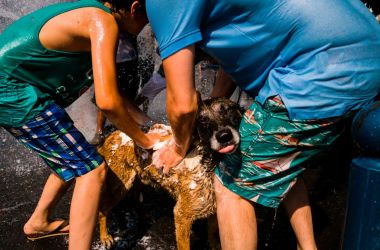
x,y
22,175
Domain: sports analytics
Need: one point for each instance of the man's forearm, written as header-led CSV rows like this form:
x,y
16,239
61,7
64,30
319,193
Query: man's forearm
x,y
181,96
181,117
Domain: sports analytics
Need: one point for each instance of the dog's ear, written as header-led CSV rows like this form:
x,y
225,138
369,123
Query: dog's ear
x,y
200,104
200,101
241,109
199,98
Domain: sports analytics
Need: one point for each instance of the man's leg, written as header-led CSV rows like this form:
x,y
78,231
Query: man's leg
x,y
299,212
236,220
51,194
84,207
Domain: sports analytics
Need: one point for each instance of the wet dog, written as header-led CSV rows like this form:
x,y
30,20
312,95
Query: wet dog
x,y
190,183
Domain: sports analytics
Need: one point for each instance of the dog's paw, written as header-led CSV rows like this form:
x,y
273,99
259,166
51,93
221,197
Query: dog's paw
x,y
107,241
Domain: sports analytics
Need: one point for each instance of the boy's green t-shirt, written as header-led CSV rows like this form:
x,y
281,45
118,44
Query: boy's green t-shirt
x,y
32,76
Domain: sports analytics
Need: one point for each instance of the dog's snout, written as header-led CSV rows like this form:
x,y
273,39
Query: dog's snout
x,y
224,136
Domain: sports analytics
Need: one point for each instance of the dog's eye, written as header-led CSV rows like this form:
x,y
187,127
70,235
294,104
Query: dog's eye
x,y
236,119
203,120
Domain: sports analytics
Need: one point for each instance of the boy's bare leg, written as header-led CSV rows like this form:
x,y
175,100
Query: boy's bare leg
x,y
299,212
51,194
84,207
236,220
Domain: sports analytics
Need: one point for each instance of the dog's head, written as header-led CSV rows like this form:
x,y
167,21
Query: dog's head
x,y
218,123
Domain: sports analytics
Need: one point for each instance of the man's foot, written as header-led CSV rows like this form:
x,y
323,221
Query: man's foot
x,y
98,139
54,228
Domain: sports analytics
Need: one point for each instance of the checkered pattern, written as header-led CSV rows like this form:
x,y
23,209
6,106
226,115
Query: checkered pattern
x,y
53,136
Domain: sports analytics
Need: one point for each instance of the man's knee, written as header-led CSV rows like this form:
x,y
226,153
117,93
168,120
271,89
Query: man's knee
x,y
223,194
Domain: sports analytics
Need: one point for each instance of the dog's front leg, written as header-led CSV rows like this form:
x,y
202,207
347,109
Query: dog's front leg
x,y
105,238
183,222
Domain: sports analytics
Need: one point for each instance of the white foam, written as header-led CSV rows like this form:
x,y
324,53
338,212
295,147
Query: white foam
x,y
160,145
191,162
146,241
162,129
114,147
192,185
124,139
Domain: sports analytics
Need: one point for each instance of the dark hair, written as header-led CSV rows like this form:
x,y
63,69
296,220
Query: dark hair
x,y
373,5
125,4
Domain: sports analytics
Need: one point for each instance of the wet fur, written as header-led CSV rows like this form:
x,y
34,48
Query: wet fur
x,y
190,183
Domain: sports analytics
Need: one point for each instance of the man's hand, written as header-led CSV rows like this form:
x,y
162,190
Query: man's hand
x,y
169,155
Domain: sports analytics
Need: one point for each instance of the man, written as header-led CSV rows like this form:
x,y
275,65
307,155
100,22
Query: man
x,y
46,58
309,65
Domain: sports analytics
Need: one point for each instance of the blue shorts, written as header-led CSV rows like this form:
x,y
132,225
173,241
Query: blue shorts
x,y
53,136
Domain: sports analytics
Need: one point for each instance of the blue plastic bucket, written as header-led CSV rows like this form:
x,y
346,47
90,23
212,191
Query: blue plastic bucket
x,y
362,226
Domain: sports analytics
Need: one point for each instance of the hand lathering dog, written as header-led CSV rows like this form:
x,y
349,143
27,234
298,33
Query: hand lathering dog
x,y
190,183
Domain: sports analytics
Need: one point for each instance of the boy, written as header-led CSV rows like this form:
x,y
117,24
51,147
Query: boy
x,y
45,57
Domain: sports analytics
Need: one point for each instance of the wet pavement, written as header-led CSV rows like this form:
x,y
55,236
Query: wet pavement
x,y
146,223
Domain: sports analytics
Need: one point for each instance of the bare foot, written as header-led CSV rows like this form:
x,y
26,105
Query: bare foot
x,y
44,227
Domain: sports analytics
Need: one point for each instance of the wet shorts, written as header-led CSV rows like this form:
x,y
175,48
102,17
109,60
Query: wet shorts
x,y
273,151
52,134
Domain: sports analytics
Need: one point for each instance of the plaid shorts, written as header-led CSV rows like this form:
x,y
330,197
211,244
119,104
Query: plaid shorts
x,y
53,136
273,151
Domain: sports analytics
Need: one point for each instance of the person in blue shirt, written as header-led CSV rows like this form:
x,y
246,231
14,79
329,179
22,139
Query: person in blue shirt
x,y
309,65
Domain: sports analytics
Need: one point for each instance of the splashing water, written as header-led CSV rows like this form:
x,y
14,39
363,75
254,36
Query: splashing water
x,y
12,10
268,238
8,14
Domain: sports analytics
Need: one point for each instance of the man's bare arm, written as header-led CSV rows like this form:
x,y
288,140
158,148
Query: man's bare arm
x,y
182,105
181,96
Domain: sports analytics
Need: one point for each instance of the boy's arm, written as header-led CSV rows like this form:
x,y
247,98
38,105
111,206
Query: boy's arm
x,y
137,114
104,36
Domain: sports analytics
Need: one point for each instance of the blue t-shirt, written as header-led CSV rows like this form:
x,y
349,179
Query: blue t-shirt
x,y
322,57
